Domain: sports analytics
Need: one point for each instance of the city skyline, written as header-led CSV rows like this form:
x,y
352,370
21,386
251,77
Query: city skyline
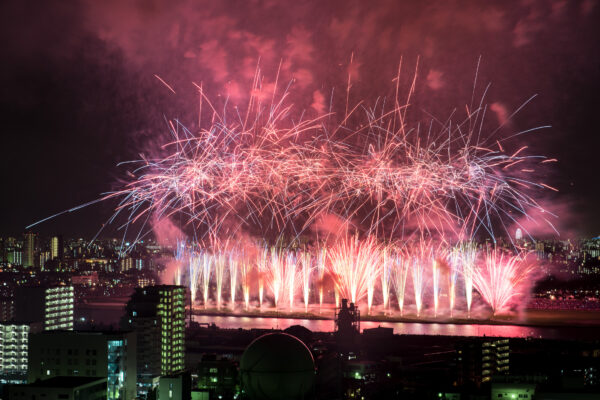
x,y
258,200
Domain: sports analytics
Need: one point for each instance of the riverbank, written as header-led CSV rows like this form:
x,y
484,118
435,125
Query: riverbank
x,y
545,318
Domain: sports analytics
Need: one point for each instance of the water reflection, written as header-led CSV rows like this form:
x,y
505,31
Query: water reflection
x,y
111,315
409,328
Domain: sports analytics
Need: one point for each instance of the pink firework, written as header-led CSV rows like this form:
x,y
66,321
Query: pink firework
x,y
386,277
400,267
220,266
306,262
276,274
274,172
454,260
245,269
195,274
206,261
462,260
262,267
292,277
355,267
321,259
499,277
233,276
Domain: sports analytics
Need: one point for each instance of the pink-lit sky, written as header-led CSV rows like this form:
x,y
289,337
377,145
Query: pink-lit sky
x,y
79,92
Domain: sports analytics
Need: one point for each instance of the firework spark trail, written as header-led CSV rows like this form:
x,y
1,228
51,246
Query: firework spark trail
x,y
421,256
436,286
291,274
306,262
220,266
180,255
206,261
455,262
262,267
354,266
417,269
180,250
233,275
401,267
273,172
386,275
498,278
178,275
468,257
269,169
245,270
195,274
276,265
440,254
321,260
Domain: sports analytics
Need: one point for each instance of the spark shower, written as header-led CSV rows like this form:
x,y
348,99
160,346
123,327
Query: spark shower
x,y
372,206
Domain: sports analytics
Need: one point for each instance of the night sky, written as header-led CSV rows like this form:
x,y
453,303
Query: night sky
x,y
79,92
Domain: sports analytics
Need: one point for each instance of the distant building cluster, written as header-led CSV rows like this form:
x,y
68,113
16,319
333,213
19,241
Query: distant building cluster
x,y
56,254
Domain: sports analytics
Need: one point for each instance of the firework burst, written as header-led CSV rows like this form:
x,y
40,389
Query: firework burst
x,y
499,277
355,266
269,172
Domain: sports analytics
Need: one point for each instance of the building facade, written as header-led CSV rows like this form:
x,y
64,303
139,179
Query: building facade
x,y
29,247
157,314
51,305
56,248
111,355
478,360
14,347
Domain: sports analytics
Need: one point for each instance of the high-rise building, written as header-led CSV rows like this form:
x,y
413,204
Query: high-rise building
x,y
126,264
51,305
157,314
111,355
14,340
495,358
7,308
29,246
14,255
56,248
59,308
45,256
480,359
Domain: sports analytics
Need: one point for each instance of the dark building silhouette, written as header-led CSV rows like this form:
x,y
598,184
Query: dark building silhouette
x,y
347,326
480,359
108,354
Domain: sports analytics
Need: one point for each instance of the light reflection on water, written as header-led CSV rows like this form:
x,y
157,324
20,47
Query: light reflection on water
x,y
111,316
410,328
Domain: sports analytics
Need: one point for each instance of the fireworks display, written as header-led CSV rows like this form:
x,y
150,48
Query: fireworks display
x,y
363,272
405,198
